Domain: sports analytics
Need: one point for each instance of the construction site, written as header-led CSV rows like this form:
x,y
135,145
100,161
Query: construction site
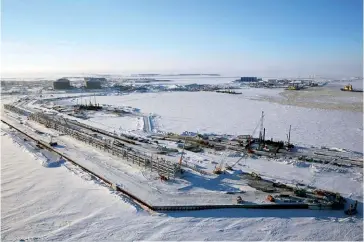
x,y
165,156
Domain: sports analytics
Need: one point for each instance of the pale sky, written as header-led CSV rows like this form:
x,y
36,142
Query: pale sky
x,y
236,37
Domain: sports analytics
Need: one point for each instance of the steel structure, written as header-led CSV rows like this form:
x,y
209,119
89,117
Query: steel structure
x,y
86,135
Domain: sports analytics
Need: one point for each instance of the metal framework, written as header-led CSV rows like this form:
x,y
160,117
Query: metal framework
x,y
85,134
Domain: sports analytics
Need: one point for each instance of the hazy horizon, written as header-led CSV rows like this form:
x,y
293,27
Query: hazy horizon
x,y
236,37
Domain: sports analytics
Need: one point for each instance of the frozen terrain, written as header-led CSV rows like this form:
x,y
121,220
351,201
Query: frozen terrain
x,y
206,112
63,203
329,97
45,204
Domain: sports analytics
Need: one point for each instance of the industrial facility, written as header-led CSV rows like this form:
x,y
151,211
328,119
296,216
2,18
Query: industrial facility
x,y
61,84
248,79
93,84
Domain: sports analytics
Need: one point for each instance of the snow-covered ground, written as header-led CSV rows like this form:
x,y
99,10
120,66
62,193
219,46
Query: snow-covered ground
x,y
45,204
207,112
114,122
63,203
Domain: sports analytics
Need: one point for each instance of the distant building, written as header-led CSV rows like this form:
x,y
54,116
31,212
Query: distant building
x,y
93,84
248,79
100,79
61,84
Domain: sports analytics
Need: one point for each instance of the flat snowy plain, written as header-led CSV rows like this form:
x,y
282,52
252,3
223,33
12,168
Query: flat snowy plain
x,y
62,203
207,112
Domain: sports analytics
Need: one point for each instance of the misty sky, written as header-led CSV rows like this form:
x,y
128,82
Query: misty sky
x,y
245,37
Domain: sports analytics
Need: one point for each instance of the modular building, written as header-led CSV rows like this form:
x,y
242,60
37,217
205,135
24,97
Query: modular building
x,y
248,79
61,84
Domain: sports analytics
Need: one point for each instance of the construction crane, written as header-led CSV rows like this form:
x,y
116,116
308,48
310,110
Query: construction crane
x,y
183,149
227,167
260,124
218,169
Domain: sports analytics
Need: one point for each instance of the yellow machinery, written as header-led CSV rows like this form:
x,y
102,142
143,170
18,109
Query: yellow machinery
x,y
348,87
292,88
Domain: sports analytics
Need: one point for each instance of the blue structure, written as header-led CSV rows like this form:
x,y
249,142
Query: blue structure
x,y
248,79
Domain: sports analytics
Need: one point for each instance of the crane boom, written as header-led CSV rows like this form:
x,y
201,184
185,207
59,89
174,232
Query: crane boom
x,y
183,149
260,123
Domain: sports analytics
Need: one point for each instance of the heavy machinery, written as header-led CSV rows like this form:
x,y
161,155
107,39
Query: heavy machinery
x,y
256,176
261,135
270,198
218,169
349,88
239,200
181,158
294,87
52,143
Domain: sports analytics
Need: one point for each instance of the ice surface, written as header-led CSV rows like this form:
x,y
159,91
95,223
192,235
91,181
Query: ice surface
x,y
235,114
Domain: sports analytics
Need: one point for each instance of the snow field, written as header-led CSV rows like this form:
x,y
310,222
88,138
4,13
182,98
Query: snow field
x,y
205,112
66,208
52,204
